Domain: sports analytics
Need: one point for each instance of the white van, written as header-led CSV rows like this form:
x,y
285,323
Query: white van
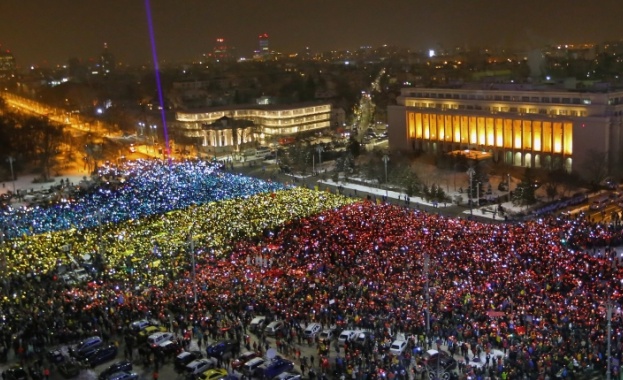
x,y
311,330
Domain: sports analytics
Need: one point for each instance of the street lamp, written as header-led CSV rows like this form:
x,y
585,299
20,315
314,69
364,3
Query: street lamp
x,y
154,132
319,149
11,160
471,173
385,161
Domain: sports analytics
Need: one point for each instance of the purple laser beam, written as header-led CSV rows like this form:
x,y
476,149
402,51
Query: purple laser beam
x,y
152,39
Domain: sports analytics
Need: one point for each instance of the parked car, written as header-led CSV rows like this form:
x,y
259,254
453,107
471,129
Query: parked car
x,y
199,366
122,366
242,359
213,374
169,347
258,323
183,358
251,367
155,339
101,355
326,335
56,356
433,360
274,328
15,373
124,375
150,330
398,347
222,347
69,368
346,336
141,324
275,366
312,330
85,347
288,376
362,338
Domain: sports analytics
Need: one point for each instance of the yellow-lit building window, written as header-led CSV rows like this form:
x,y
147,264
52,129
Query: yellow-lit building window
x,y
557,136
426,126
410,125
536,136
441,132
499,132
547,136
481,131
464,129
490,132
527,134
433,126
456,126
517,133
473,132
418,126
508,133
448,127
568,138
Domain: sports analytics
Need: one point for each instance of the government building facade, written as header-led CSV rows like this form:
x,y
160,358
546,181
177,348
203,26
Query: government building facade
x,y
225,129
519,125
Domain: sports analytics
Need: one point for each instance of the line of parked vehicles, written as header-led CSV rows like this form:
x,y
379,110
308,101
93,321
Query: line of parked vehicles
x,y
438,364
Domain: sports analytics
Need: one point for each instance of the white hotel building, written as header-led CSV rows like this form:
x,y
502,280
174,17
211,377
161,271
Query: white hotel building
x,y
518,124
269,123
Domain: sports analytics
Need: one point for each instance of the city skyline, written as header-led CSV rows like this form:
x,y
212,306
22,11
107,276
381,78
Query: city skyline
x,y
40,32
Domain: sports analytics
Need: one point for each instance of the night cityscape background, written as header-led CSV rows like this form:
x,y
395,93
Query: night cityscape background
x,y
40,31
402,189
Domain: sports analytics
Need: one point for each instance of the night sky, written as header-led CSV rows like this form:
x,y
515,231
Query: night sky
x,y
40,31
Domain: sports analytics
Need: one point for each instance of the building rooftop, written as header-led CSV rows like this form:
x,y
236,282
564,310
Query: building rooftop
x,y
256,106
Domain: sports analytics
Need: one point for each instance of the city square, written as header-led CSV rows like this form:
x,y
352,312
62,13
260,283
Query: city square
x,y
537,291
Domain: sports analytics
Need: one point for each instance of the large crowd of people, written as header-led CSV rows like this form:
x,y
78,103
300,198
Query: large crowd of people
x,y
141,189
537,290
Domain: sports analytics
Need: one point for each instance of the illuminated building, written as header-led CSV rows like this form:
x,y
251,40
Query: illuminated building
x,y
270,123
7,64
221,52
518,124
264,50
107,61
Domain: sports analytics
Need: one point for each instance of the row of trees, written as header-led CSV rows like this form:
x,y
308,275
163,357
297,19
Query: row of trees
x,y
32,142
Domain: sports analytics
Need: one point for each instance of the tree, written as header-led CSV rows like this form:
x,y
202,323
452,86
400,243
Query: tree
x,y
407,178
524,192
300,155
47,138
595,166
353,147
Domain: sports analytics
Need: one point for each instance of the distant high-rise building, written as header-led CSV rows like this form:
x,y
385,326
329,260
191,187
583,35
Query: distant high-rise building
x,y
107,61
264,48
7,64
221,51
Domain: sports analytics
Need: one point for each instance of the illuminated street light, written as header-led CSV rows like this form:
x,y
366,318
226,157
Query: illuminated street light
x,y
471,173
11,160
385,161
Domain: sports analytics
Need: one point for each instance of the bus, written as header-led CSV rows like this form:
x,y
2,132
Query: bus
x,y
262,152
